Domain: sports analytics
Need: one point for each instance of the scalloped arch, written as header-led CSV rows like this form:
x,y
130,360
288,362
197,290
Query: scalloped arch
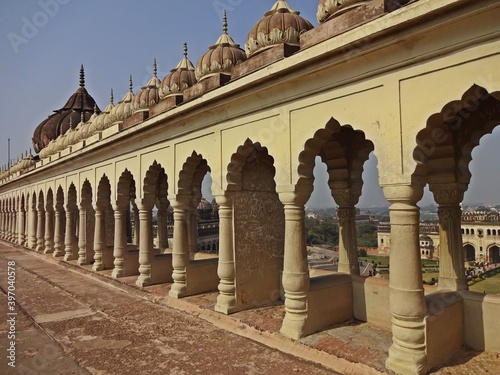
x,y
192,173
246,152
155,185
343,150
125,188
444,147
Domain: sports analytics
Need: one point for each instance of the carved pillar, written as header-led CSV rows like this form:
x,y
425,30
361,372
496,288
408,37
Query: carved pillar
x,y
162,227
21,226
120,243
451,253
346,214
12,224
192,223
180,255
49,230
296,279
32,227
145,244
99,237
407,354
70,233
40,228
226,300
137,225
82,235
58,231
2,222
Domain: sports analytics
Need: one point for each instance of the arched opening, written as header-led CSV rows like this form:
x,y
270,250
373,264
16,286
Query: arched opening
x,y
104,227
127,228
259,225
494,254
470,253
86,225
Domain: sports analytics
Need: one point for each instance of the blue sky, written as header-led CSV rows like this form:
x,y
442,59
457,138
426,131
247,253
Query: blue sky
x,y
43,43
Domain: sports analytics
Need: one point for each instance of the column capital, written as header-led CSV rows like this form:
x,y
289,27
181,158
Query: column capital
x,y
181,202
345,197
448,194
296,195
404,194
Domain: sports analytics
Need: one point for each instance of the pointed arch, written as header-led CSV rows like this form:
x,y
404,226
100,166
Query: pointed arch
x,y
126,189
192,173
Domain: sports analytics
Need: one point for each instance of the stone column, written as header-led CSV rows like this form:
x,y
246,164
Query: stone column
x,y
82,235
296,279
99,237
120,243
346,214
70,234
162,227
40,228
9,225
180,255
192,222
407,354
49,230
21,225
145,244
226,300
58,231
2,223
137,225
451,253
12,224
32,227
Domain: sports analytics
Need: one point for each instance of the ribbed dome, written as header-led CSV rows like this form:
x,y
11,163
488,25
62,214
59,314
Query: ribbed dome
x,y
329,8
105,119
179,79
149,94
220,57
281,24
58,123
124,107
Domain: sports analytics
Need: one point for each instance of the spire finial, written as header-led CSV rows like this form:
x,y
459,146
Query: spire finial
x,y
154,67
95,108
70,124
111,98
130,85
185,49
82,117
82,76
224,23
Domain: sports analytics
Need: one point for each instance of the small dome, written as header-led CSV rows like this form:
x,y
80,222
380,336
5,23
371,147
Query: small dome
x,y
124,107
58,123
327,9
179,79
281,24
105,119
220,57
147,95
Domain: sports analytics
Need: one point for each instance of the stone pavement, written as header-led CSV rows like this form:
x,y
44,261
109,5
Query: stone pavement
x,y
73,321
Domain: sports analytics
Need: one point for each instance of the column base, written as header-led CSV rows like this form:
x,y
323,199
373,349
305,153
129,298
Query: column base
x,y
143,281
294,329
97,267
48,251
406,362
178,291
226,304
116,274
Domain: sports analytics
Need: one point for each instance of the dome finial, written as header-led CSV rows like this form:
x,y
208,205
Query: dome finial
x,y
130,84
154,67
185,49
111,97
82,76
224,22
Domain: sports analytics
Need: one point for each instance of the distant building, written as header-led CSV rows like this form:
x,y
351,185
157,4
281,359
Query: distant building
x,y
480,237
